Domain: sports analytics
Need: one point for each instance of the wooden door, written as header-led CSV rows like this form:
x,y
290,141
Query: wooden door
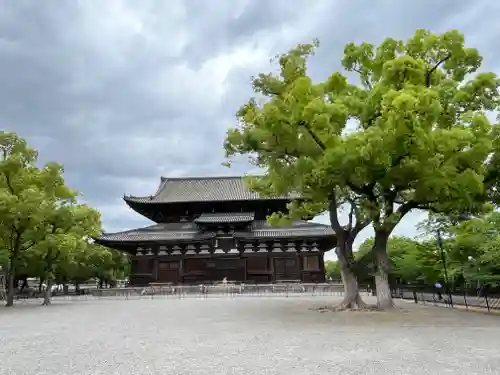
x,y
231,269
168,272
286,268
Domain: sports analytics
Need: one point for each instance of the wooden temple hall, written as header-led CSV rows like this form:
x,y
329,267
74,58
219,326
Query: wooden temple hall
x,y
210,229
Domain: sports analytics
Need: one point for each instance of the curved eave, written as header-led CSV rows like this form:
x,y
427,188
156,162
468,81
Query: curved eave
x,y
130,244
142,200
150,200
305,236
140,206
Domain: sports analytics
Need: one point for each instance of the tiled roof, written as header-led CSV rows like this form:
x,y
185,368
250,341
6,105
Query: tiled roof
x,y
227,217
202,189
189,231
158,232
262,229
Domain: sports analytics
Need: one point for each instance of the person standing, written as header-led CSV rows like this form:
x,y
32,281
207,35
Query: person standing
x,y
438,287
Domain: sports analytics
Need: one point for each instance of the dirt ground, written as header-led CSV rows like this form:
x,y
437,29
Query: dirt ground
x,y
243,335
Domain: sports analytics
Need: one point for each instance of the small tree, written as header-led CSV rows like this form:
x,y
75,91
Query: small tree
x,y
70,225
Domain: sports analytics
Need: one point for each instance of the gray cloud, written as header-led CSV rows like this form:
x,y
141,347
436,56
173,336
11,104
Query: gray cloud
x,y
122,92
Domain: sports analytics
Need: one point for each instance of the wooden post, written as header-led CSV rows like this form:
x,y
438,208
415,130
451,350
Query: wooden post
x,y
322,265
156,270
270,260
180,273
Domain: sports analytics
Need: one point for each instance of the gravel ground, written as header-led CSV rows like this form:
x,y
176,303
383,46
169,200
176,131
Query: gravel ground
x,y
243,336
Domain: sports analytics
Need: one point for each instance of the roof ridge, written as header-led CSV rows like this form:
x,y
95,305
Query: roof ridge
x,y
163,178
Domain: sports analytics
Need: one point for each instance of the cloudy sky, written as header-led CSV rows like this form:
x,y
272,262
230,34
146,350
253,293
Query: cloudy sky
x,y
122,92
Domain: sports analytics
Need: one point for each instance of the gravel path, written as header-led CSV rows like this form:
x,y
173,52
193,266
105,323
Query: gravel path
x,y
243,336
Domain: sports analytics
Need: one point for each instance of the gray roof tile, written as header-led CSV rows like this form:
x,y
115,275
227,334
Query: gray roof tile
x,y
228,217
202,189
189,231
158,232
262,229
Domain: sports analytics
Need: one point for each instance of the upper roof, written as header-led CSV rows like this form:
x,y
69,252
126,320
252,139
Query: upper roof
x,y
225,217
203,189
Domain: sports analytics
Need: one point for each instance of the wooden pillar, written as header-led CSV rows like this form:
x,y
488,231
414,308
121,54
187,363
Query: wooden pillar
x,y
270,259
155,269
301,265
322,265
180,274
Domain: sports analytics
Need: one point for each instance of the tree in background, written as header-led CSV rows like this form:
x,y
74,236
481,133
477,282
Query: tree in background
x,y
422,137
411,261
69,227
471,248
474,251
332,270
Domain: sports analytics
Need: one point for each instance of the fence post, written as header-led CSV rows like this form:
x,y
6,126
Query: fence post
x,y
450,296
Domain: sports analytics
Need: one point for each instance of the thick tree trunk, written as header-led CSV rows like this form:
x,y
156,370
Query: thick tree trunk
x,y
48,293
11,279
384,295
352,298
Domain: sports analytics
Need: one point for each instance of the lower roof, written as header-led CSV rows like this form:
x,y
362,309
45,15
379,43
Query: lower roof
x,y
190,231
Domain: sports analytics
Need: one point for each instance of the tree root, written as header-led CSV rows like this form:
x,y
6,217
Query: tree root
x,y
348,307
355,304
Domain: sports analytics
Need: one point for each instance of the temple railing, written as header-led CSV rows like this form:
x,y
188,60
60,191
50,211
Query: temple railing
x,y
220,290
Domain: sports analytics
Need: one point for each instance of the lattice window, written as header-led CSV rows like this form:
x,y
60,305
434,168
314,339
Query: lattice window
x,y
257,263
311,262
142,265
168,266
227,264
195,264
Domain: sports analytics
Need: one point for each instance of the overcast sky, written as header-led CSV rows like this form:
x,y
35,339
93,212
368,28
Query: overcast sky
x,y
123,92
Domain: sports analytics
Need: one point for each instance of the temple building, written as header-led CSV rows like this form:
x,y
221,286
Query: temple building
x,y
208,229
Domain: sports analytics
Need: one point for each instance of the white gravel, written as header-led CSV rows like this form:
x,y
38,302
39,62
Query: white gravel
x,y
245,335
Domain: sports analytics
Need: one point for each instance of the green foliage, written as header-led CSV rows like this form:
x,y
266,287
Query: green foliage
x,y
475,250
422,137
332,270
27,195
44,232
411,261
471,248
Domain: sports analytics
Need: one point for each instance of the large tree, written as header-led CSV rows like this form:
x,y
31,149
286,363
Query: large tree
x,y
420,137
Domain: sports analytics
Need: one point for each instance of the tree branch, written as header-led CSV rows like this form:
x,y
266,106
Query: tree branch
x,y
316,139
334,218
351,213
428,74
9,184
366,190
